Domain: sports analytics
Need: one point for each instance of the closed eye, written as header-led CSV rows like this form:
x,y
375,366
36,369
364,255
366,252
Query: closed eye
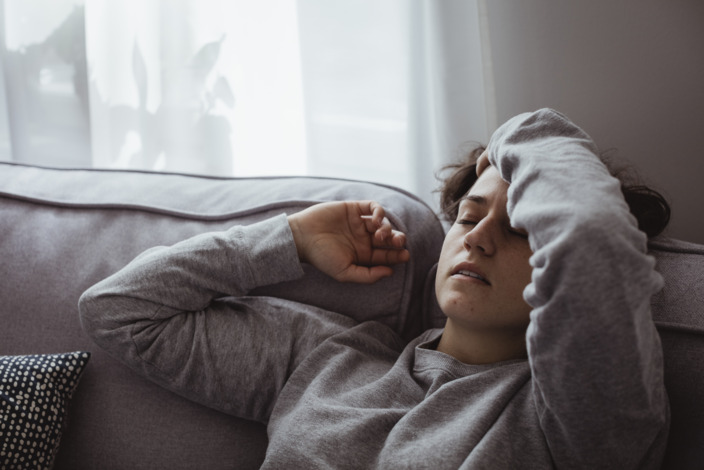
x,y
466,222
518,233
511,231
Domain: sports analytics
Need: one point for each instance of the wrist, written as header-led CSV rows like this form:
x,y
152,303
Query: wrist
x,y
296,232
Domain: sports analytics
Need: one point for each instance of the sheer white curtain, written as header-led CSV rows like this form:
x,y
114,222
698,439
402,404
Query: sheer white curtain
x,y
386,91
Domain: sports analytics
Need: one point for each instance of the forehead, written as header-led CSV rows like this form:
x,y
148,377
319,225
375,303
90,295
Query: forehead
x,y
488,188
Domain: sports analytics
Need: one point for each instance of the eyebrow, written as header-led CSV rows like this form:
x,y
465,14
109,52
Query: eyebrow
x,y
476,199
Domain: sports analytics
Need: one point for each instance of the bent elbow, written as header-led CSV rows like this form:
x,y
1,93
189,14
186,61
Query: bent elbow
x,y
103,318
94,315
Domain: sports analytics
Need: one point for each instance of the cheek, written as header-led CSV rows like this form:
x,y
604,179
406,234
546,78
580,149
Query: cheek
x,y
527,268
446,253
523,276
440,279
521,271
526,273
444,266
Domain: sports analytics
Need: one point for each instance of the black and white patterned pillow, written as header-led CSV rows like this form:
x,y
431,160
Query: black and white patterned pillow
x,y
34,395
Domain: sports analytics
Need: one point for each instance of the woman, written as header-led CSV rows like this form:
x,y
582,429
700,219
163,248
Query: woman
x,y
549,357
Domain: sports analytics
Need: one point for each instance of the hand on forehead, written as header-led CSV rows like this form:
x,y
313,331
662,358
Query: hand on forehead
x,y
483,162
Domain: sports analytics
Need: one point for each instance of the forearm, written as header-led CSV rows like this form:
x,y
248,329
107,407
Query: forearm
x,y
162,317
594,352
189,275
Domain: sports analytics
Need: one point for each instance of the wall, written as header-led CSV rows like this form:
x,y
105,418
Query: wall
x,y
631,73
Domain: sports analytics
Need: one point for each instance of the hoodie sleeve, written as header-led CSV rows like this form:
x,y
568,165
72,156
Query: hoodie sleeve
x,y
594,352
177,315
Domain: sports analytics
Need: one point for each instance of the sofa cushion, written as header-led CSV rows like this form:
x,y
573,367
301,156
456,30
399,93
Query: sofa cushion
x,y
35,391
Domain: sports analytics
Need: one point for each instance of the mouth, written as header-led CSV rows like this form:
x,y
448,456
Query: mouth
x,y
470,272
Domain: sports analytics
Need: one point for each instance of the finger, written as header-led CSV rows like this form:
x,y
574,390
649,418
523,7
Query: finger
x,y
398,239
386,237
483,162
382,257
374,209
369,224
384,232
379,213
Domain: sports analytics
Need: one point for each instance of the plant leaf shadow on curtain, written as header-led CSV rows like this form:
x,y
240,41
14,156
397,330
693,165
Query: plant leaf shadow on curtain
x,y
360,89
140,138
52,108
46,96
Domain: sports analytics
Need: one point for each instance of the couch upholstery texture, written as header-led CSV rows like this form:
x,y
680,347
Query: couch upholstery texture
x,y
62,230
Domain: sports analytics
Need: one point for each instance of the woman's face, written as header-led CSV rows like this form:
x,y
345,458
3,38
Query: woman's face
x,y
483,265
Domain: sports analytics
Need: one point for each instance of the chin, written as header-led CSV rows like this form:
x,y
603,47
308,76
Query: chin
x,y
454,302
457,310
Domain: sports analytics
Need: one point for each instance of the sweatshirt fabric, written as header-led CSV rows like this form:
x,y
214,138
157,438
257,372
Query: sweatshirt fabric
x,y
337,394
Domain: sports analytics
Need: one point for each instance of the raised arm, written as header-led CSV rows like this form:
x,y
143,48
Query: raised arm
x,y
176,314
594,352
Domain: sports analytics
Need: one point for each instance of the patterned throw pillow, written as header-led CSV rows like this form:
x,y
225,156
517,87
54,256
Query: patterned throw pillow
x,y
34,396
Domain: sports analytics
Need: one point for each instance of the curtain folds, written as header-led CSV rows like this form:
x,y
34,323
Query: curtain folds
x,y
384,91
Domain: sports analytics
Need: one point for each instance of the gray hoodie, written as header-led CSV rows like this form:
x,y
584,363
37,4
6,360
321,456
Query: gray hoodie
x,y
337,394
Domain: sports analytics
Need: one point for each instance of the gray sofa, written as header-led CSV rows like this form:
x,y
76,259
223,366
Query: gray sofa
x,y
63,230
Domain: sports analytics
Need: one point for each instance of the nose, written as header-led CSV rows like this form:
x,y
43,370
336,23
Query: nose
x,y
481,238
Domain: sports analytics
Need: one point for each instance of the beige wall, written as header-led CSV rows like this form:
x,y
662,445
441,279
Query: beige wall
x,y
630,72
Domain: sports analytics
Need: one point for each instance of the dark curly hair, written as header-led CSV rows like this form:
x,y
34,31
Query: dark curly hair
x,y
647,205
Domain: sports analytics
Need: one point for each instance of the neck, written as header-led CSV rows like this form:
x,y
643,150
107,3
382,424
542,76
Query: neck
x,y
473,346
